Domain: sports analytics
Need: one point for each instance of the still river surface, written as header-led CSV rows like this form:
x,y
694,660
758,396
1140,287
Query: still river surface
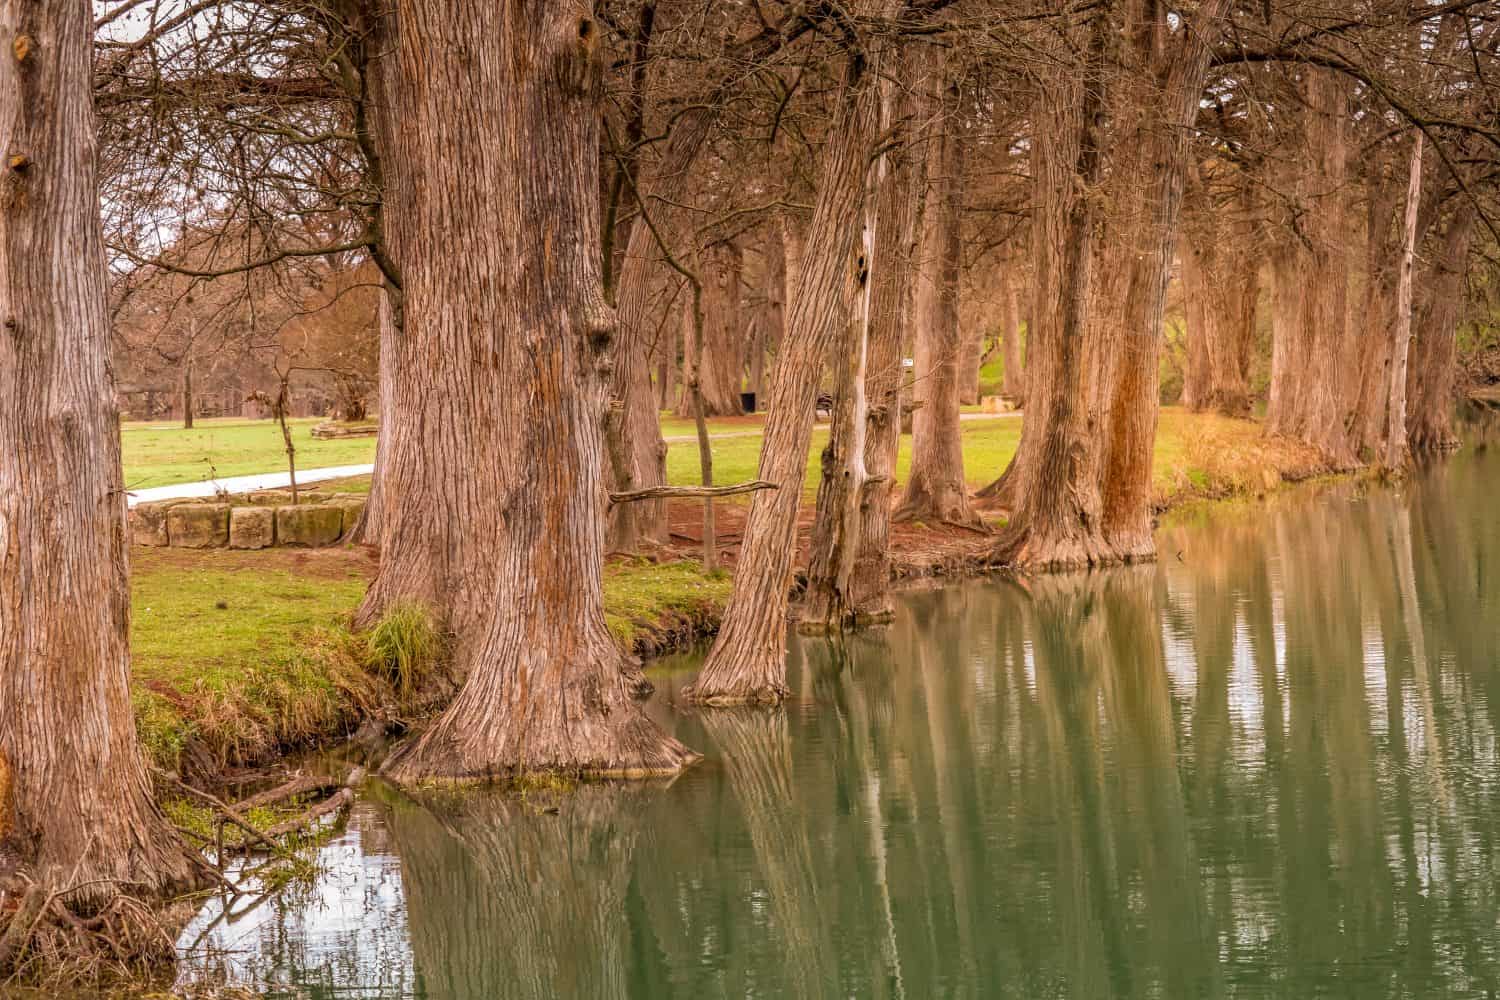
x,y
1264,767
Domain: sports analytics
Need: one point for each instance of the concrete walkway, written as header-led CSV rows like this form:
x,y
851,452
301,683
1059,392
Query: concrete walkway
x,y
280,480
244,484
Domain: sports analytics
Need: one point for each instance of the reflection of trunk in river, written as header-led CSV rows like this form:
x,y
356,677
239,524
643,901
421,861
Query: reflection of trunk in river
x,y
858,678
506,900
939,666
1123,828
1063,611
758,761
1155,837
1332,838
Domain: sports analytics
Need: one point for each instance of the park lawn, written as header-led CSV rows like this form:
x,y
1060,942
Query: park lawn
x,y
160,454
992,375
239,655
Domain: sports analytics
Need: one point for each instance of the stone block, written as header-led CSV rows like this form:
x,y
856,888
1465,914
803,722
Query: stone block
x,y
309,525
269,498
997,404
352,509
198,525
252,528
148,524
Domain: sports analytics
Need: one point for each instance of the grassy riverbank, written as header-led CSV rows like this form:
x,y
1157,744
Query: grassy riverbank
x,y
238,655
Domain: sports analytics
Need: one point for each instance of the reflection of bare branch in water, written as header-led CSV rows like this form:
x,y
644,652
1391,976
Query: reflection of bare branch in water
x,y
758,761
507,899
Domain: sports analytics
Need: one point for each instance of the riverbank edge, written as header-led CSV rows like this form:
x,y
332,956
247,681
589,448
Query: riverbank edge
x,y
654,610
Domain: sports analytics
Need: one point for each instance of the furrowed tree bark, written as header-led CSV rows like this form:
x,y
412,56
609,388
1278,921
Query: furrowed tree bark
x,y
1151,160
935,487
899,202
76,807
718,356
1056,521
1397,453
504,369
845,477
747,662
1376,307
1312,287
1219,268
1433,361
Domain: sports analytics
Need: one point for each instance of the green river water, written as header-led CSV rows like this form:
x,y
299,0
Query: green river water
x,y
1264,767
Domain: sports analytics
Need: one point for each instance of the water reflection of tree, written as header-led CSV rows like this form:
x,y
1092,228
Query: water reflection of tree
x,y
508,900
758,766
1133,910
1267,768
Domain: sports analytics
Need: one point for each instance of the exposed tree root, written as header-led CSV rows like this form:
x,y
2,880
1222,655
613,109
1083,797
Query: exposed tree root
x,y
44,944
52,939
731,681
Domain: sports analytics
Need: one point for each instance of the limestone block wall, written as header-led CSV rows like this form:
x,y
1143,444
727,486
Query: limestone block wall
x,y
254,521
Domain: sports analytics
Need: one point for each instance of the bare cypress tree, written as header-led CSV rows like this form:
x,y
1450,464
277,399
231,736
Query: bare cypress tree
x,y
504,368
1311,292
898,212
748,660
1397,453
78,813
935,488
1433,368
1219,266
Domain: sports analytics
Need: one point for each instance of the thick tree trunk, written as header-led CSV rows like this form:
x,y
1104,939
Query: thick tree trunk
x,y
1013,379
1429,425
643,271
1376,309
1396,452
1083,502
935,488
78,809
718,359
504,370
865,595
748,660
1220,284
1312,292
1056,519
1157,154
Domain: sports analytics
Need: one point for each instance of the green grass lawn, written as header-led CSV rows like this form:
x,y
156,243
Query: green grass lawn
x,y
159,454
239,654
162,453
